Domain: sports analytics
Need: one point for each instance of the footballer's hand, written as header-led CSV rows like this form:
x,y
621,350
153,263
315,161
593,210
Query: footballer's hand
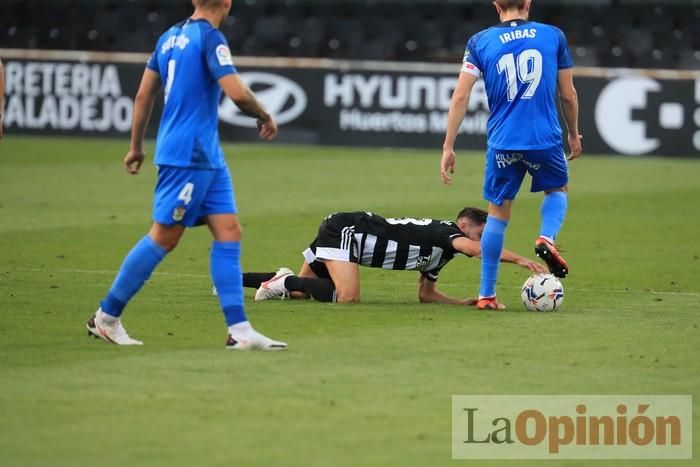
x,y
471,301
575,146
447,165
533,266
267,129
133,160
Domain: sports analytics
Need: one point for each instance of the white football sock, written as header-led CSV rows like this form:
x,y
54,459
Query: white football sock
x,y
242,329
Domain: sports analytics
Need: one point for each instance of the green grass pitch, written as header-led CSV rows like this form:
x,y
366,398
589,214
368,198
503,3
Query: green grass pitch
x,y
366,384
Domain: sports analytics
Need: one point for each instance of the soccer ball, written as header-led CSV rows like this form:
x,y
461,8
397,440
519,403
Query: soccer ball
x,y
542,292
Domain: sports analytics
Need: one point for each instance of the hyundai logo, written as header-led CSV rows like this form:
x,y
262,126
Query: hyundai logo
x,y
284,99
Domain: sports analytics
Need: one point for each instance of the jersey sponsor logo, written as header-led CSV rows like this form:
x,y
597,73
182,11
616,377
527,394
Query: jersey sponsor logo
x,y
282,97
505,159
422,262
223,55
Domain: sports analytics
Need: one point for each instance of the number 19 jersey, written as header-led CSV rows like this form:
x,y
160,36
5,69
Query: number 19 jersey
x,y
191,57
519,61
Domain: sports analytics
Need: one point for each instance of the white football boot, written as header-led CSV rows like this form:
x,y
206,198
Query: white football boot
x,y
109,330
253,340
274,288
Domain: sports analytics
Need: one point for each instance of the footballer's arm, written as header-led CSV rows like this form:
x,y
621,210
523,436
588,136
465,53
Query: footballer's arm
x,y
143,105
458,108
569,106
245,100
428,293
470,247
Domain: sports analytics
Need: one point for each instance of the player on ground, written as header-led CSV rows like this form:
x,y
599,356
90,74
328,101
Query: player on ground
x,y
193,61
523,64
347,240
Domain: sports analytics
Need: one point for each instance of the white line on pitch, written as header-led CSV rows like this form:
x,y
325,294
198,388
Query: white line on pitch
x,y
184,274
90,271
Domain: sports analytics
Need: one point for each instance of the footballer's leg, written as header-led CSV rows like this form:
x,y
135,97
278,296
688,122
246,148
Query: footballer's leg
x,y
219,207
228,280
554,206
503,176
313,281
492,240
346,277
284,284
552,178
175,192
137,267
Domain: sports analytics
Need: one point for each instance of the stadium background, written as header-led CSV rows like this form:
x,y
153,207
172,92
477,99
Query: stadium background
x,y
368,73
364,385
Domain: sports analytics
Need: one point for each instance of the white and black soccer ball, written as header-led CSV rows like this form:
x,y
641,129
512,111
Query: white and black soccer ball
x,y
542,292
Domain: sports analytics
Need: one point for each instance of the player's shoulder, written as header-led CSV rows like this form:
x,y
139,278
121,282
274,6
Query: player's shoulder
x,y
208,31
449,228
169,36
174,30
552,29
477,37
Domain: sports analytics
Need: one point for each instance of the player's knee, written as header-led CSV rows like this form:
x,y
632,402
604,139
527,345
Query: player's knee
x,y
168,244
347,296
564,188
167,237
229,232
235,231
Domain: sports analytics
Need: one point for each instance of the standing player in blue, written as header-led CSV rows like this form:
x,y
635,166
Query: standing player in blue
x,y
193,60
523,64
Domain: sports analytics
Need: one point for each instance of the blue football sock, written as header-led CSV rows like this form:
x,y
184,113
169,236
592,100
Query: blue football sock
x,y
553,212
135,270
228,280
491,246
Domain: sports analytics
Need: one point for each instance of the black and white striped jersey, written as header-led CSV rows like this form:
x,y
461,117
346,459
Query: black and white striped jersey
x,y
398,243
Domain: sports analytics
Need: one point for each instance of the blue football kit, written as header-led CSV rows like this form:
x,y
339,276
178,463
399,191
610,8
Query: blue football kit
x,y
193,180
519,61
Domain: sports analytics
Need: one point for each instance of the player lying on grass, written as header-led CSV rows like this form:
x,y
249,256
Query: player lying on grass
x,y
348,240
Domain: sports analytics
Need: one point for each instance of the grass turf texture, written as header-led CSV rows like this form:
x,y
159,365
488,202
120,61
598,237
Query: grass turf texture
x,y
367,384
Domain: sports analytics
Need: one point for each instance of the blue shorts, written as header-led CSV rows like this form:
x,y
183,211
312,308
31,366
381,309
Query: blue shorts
x,y
505,171
183,195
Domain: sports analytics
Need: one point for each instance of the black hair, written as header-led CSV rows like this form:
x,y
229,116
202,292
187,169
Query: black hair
x,y
475,215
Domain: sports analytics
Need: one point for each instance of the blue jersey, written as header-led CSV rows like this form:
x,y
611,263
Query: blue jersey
x,y
520,61
190,58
